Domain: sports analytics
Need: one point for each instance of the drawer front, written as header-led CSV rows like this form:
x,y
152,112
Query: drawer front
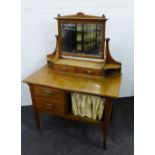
x,y
88,71
51,107
64,68
49,93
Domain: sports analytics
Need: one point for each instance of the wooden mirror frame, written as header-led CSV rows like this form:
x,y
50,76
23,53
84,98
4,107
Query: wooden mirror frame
x,y
81,18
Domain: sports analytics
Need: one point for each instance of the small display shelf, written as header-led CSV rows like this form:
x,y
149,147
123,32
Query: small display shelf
x,y
84,119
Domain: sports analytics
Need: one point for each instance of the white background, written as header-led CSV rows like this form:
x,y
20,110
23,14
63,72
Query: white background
x,y
39,29
10,79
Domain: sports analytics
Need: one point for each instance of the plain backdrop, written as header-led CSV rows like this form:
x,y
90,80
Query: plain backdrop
x,y
39,29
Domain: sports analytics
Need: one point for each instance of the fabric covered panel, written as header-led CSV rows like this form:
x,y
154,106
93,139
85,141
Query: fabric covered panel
x,y
87,105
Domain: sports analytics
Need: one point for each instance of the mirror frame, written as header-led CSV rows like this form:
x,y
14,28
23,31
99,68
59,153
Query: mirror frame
x,y
82,20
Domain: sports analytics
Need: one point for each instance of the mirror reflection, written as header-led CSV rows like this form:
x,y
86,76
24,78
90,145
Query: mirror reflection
x,y
81,39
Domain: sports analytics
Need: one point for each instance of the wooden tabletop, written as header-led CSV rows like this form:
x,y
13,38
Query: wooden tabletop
x,y
108,86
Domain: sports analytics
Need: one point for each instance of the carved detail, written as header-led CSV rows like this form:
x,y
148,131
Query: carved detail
x,y
81,15
109,58
55,54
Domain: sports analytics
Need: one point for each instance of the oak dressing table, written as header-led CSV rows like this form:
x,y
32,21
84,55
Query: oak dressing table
x,y
80,63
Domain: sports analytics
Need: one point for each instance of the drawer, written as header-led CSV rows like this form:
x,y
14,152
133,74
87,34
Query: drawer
x,y
64,68
51,107
88,71
49,93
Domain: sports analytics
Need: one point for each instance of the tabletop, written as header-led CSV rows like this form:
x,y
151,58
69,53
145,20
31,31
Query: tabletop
x,y
108,86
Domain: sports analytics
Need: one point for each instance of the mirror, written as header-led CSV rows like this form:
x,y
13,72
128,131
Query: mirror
x,y
80,39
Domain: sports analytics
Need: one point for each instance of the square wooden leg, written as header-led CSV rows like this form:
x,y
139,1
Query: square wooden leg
x,y
36,116
106,120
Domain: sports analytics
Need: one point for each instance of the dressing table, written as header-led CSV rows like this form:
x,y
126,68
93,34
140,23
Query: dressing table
x,y
81,63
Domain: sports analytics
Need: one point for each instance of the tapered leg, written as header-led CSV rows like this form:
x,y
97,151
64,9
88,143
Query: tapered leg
x,y
111,115
105,137
36,116
106,120
35,111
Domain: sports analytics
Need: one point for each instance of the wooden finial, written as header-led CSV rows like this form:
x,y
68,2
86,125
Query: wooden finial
x,y
80,13
58,15
103,16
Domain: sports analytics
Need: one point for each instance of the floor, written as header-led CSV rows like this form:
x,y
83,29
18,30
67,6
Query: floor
x,y
65,137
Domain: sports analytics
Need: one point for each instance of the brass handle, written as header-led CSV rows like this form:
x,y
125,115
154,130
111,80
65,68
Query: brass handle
x,y
50,106
47,92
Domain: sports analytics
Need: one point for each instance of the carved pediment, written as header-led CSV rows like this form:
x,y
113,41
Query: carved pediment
x,y
81,15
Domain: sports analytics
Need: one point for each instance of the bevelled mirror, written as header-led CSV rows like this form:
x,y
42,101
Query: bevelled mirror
x,y
81,39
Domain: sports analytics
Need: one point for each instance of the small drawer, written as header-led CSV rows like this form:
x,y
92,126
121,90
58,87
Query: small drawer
x,y
88,71
64,68
49,93
51,107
